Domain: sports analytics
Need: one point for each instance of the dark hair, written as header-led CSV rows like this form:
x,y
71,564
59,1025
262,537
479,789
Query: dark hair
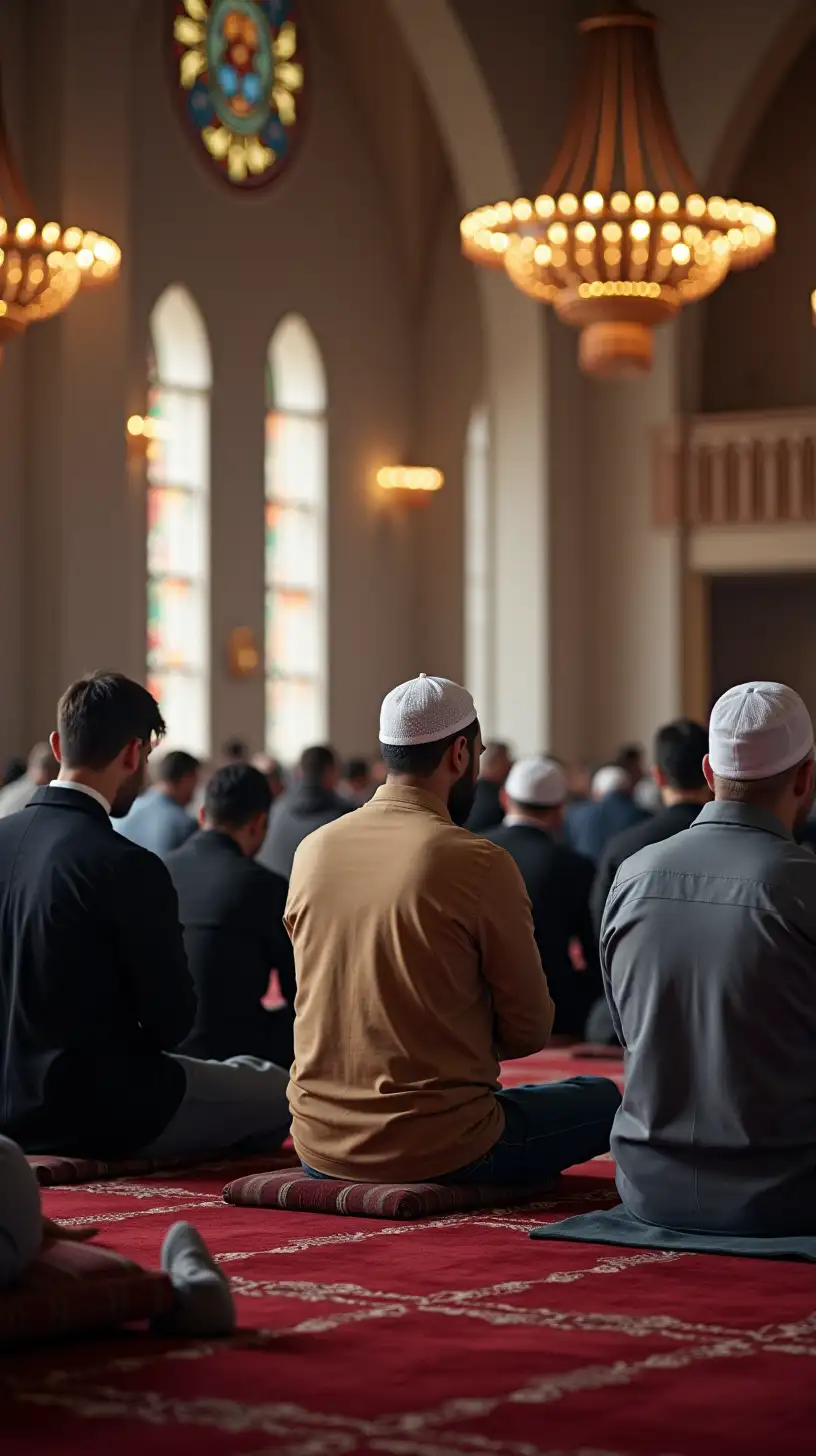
x,y
176,766
101,713
420,760
235,750
236,794
628,755
357,768
315,762
679,750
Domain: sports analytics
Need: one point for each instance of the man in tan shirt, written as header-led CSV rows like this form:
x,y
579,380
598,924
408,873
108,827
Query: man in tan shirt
x,y
417,968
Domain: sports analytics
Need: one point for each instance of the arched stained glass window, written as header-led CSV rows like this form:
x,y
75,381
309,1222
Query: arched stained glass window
x,y
479,665
178,475
296,501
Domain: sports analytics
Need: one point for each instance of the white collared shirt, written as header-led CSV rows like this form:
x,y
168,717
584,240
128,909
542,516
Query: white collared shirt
x,y
82,789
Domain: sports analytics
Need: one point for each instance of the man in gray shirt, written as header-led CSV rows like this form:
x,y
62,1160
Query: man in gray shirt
x,y
708,948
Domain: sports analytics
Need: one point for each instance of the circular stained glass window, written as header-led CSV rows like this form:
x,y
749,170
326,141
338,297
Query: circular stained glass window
x,y
241,75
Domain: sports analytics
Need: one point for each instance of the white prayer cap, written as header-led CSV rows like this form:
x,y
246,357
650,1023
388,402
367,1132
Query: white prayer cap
x,y
757,730
425,710
538,782
610,780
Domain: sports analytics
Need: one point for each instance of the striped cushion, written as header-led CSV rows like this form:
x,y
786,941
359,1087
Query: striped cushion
x,y
299,1193
53,1169
78,1289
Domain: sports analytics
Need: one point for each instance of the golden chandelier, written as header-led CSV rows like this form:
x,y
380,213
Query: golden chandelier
x,y
41,266
620,237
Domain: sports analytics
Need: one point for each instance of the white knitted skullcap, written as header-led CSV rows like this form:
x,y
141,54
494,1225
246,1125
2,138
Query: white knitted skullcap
x,y
425,710
757,730
538,782
610,780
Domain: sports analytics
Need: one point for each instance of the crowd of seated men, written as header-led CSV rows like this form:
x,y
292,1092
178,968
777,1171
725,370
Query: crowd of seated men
x,y
412,954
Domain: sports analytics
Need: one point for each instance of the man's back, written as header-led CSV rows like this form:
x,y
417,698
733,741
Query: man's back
x,y
93,982
592,824
298,813
630,841
157,823
709,954
558,882
231,909
415,958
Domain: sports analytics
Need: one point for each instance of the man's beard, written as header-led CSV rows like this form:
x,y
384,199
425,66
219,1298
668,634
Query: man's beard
x,y
128,793
462,796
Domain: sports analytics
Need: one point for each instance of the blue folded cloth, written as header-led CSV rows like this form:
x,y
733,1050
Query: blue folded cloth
x,y
619,1226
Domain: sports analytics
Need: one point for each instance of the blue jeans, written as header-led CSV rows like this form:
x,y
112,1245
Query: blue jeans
x,y
549,1126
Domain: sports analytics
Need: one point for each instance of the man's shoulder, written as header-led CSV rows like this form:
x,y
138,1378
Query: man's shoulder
x,y
631,840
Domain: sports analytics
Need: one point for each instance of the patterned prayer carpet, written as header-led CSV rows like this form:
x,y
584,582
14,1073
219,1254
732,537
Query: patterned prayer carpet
x,y
458,1336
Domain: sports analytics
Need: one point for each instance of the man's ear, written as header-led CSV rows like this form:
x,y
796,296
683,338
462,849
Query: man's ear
x,y
504,801
658,776
202,817
54,740
708,772
803,784
132,755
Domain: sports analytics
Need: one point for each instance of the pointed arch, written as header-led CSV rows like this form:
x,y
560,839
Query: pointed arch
x,y
178,533
296,491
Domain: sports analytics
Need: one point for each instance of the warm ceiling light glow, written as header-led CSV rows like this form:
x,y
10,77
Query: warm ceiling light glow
x,y
569,249
410,477
585,232
73,238
136,426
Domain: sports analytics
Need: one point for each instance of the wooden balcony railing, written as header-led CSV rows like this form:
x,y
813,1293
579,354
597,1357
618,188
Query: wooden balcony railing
x,y
737,469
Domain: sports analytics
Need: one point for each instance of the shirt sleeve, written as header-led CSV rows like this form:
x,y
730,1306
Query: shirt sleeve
x,y
607,931
511,964
151,949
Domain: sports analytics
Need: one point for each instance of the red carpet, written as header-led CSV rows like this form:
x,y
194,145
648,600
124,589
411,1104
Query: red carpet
x,y
456,1337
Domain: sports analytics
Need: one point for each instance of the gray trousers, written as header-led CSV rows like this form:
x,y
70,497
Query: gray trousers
x,y
20,1216
238,1105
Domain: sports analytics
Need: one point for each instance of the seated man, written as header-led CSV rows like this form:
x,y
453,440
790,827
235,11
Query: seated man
x,y
709,957
416,968
159,819
231,911
679,750
94,985
558,882
311,802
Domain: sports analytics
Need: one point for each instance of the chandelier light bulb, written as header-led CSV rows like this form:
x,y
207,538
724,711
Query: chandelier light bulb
x,y
567,248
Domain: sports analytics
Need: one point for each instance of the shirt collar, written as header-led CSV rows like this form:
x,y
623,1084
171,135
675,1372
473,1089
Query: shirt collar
x,y
743,816
81,789
401,796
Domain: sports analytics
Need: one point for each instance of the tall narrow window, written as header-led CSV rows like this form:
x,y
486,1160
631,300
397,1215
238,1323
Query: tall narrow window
x,y
296,500
178,474
479,566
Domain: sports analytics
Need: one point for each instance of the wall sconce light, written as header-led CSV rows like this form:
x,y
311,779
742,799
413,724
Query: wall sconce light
x,y
813,307
140,432
411,484
243,657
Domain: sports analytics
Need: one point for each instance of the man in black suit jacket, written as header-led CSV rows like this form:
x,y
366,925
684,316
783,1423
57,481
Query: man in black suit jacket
x,y
487,812
558,882
231,909
94,984
679,750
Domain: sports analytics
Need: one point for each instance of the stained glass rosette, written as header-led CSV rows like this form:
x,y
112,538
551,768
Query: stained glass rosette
x,y
241,73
